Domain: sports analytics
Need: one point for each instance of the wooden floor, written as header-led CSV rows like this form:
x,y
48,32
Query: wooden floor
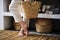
x,y
12,35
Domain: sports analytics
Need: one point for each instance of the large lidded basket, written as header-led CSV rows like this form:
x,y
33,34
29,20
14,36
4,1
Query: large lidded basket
x,y
31,9
43,25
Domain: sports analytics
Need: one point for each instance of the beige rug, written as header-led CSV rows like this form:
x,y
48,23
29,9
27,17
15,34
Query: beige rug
x,y
12,35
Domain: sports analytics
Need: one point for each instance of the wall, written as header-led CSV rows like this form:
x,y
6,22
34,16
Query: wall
x,y
1,15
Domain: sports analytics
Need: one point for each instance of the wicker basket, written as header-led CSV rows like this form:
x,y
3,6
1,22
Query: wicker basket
x,y
43,21
17,26
43,25
31,9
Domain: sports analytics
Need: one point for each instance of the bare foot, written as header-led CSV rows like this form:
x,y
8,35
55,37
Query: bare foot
x,y
25,29
21,32
26,32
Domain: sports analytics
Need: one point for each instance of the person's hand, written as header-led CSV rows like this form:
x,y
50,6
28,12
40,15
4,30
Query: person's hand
x,y
24,29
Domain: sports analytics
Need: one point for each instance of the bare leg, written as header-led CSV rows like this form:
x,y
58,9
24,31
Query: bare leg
x,y
24,27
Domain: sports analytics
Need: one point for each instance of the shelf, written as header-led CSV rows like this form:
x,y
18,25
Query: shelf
x,y
40,15
7,14
55,16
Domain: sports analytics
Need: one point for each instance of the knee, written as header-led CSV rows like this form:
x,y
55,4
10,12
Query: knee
x,y
12,8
